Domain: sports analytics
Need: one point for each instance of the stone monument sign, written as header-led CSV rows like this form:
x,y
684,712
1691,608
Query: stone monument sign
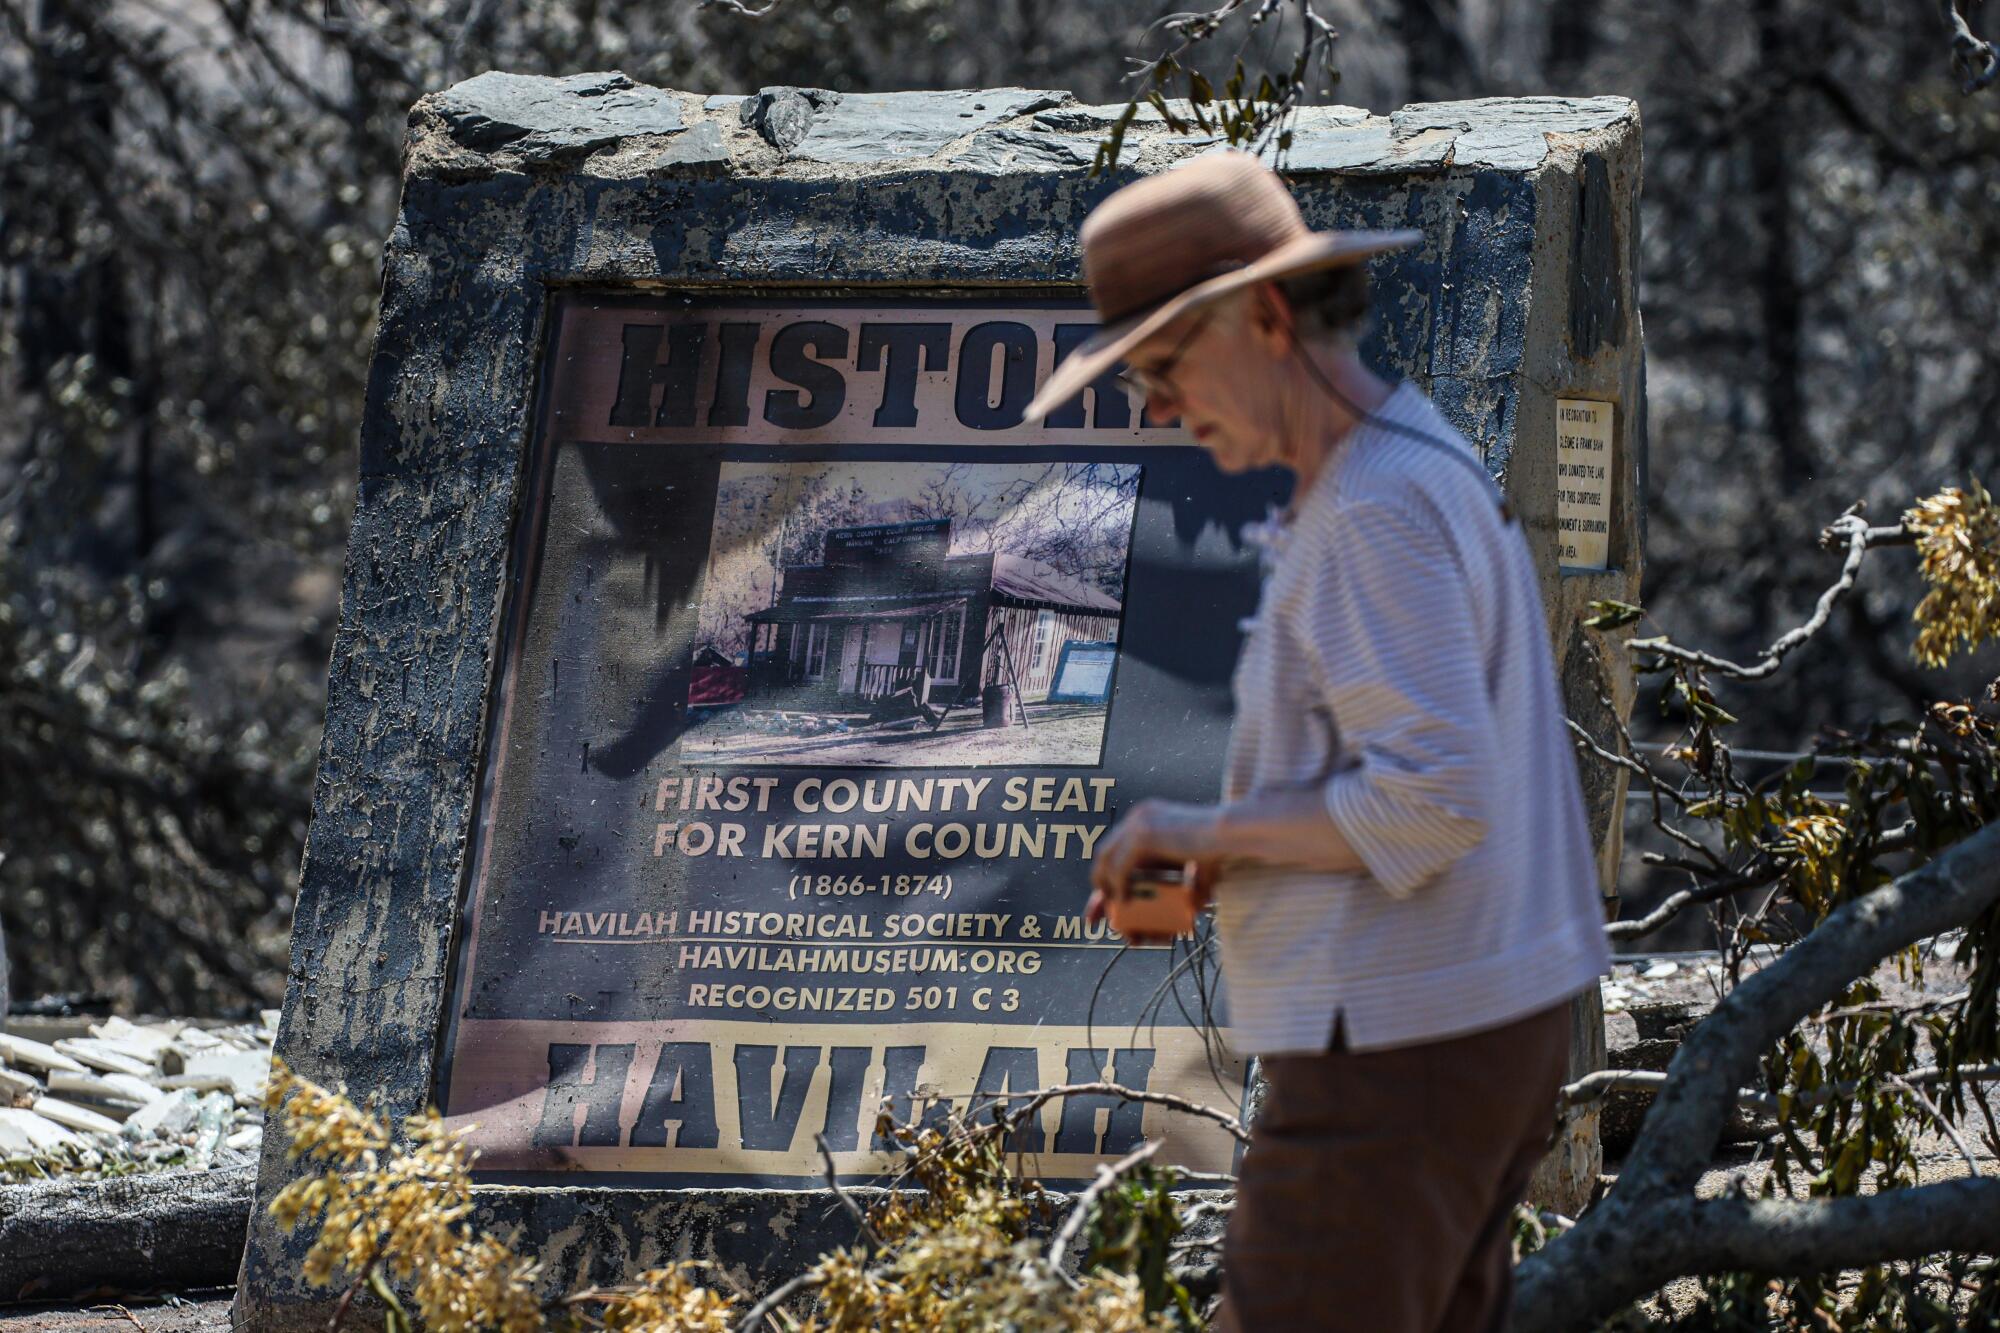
x,y
730,691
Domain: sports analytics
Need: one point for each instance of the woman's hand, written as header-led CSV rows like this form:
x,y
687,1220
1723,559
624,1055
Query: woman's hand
x,y
1152,834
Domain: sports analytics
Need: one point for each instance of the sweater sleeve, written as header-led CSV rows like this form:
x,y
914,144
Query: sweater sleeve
x,y
1386,618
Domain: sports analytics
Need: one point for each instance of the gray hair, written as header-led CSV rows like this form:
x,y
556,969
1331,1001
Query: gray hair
x,y
1333,302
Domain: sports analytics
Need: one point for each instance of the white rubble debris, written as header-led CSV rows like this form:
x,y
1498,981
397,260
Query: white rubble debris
x,y
26,1134
168,1118
213,1119
24,1054
16,1088
71,1116
155,1038
133,1095
105,1056
239,1071
114,1090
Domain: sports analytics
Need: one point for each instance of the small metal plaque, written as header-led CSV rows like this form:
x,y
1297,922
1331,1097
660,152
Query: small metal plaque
x,y
1583,482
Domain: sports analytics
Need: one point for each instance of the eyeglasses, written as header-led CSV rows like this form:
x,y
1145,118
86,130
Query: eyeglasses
x,y
1152,381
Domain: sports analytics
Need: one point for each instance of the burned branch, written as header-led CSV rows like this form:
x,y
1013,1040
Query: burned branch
x,y
1849,529
1650,1228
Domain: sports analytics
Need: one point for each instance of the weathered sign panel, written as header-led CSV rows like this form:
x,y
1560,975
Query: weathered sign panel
x,y
793,774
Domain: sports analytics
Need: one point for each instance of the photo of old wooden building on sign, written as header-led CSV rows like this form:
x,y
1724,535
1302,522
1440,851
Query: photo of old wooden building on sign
x,y
890,643
888,612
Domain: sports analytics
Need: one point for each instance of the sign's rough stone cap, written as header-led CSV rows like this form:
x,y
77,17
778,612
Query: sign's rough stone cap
x,y
1509,133
519,118
995,151
539,117
871,127
1503,133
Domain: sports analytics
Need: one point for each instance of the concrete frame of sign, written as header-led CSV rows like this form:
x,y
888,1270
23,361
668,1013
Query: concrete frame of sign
x,y
1523,291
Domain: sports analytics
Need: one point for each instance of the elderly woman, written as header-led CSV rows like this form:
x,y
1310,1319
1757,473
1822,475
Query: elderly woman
x,y
1402,876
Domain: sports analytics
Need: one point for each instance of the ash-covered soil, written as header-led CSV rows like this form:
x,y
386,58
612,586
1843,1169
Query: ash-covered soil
x,y
197,1312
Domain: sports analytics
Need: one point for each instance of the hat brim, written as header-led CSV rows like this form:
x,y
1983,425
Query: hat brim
x,y
1108,346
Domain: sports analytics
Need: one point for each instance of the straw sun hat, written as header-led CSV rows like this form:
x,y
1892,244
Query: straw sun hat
x,y
1179,241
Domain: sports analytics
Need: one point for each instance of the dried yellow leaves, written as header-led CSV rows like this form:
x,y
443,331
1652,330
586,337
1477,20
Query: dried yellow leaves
x,y
1958,536
955,1254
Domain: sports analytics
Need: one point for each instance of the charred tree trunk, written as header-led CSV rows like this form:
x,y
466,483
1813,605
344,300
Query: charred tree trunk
x,y
71,304
1436,55
1780,299
129,1235
1572,40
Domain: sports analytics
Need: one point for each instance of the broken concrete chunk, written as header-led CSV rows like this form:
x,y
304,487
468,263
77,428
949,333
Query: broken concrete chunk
x,y
71,1116
118,1058
169,1117
25,1134
212,1121
542,118
18,1089
139,1089
152,1038
245,1140
119,1090
25,1054
239,1071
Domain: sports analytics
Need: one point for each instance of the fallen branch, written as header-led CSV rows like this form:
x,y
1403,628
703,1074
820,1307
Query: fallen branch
x,y
1632,764
1801,1237
1593,1086
1107,1176
1942,1121
774,1298
1849,528
1899,839
1974,60
1035,1101
847,1200
1676,902
1604,1082
1640,1235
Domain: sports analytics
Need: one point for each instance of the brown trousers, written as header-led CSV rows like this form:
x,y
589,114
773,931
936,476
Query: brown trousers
x,y
1378,1192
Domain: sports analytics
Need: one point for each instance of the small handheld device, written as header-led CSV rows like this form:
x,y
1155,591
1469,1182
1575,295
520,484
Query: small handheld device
x,y
1158,902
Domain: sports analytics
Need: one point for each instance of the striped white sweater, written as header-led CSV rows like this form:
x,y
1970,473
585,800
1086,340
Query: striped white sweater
x,y
1400,662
